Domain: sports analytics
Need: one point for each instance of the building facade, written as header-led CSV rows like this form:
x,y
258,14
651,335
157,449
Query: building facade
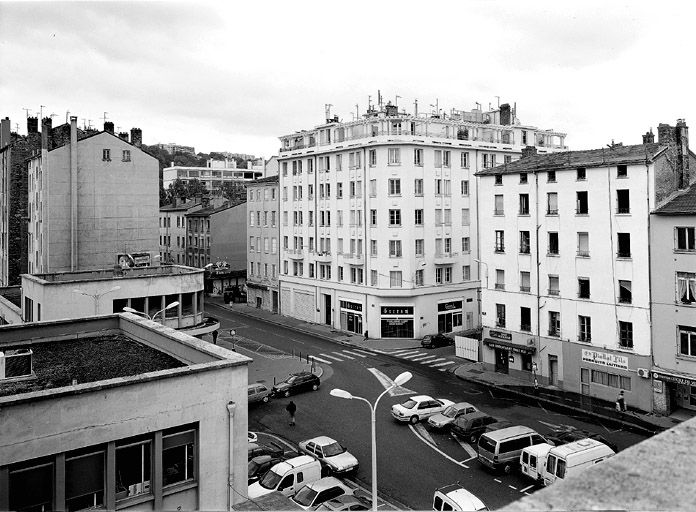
x,y
673,274
92,197
172,226
567,299
173,148
263,232
214,175
217,234
378,226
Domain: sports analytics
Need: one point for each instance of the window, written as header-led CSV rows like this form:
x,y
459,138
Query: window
x,y
584,328
178,455
339,162
554,323
621,171
524,204
499,279
687,341
373,247
464,185
466,272
31,488
611,379
524,242
133,469
419,217
373,278
523,177
624,245
372,157
395,248
464,159
106,155
525,283
310,166
395,279
500,315
580,173
466,244
551,176
466,217
438,158
394,156
285,168
373,217
684,239
625,294
498,208
340,273
373,188
394,187
553,285
339,190
84,480
581,207
498,178
626,334
489,162
445,158
623,201
583,287
419,277
418,187
438,188
418,157
552,203
420,244
583,245
395,217
686,287
553,243
525,319
126,155
499,241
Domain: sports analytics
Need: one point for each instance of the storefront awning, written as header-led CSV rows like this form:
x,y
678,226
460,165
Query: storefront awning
x,y
509,345
678,378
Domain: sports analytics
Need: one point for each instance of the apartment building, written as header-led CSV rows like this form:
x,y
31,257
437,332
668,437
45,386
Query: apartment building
x,y
673,274
215,174
217,233
378,222
566,251
92,196
172,226
263,231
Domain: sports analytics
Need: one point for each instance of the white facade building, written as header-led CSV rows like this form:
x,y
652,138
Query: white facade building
x,y
214,175
378,222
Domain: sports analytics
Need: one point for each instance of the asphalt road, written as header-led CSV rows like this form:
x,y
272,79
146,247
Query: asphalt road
x,y
412,461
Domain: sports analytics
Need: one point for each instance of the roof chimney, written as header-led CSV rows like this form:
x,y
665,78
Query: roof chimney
x,y
665,133
123,135
5,136
136,137
649,137
109,127
528,151
681,133
32,124
505,114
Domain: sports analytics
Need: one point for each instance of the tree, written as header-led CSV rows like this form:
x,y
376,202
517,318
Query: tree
x,y
234,191
187,190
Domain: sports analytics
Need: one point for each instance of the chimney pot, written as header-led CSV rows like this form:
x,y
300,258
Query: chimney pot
x,y
109,127
528,151
32,124
136,137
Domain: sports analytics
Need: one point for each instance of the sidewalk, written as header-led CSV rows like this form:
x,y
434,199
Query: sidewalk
x,y
547,397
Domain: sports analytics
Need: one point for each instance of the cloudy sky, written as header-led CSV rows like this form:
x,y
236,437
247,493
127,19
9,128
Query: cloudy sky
x,y
234,76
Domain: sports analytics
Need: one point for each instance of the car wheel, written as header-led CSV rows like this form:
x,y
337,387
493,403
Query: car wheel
x,y
265,399
507,469
315,387
287,393
413,420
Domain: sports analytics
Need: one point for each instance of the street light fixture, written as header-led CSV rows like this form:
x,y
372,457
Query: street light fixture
x,y
340,393
96,296
170,306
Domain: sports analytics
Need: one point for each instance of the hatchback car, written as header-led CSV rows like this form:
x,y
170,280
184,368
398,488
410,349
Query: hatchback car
x,y
333,457
259,465
436,340
418,408
345,502
446,417
258,393
470,426
302,381
320,491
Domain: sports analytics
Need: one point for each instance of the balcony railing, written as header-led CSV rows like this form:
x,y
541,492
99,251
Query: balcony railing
x,y
525,289
554,292
583,254
554,332
526,327
499,286
295,254
499,248
623,209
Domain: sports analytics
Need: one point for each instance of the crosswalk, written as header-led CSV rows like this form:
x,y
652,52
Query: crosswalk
x,y
415,355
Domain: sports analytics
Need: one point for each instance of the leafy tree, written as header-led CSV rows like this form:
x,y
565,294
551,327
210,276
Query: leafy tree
x,y
234,191
187,190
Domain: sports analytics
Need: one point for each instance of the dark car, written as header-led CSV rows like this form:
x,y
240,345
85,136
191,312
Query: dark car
x,y
470,426
436,340
259,465
272,449
234,294
302,381
568,434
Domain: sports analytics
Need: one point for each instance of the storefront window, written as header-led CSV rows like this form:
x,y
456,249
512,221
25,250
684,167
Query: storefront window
x,y
397,322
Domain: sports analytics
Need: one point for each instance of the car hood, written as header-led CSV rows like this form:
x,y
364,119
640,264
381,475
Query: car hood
x,y
281,385
342,460
440,420
256,490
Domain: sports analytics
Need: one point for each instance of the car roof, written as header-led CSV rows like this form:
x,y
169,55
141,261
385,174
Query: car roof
x,y
326,483
421,398
472,415
321,440
537,449
462,405
578,446
459,495
296,462
504,433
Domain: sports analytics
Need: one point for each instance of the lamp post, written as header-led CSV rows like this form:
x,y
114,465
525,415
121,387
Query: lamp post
x,y
96,296
401,379
170,306
485,265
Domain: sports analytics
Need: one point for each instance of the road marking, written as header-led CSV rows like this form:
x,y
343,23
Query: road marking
x,y
320,359
332,357
442,364
497,480
387,382
549,424
437,449
434,360
470,458
344,355
367,353
467,447
425,434
402,353
423,358
527,488
353,353
410,356
512,487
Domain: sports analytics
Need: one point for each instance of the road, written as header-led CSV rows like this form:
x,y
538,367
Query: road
x,y
412,461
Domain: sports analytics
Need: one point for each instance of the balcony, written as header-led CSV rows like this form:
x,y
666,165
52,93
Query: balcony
x,y
444,258
499,286
323,256
525,289
353,258
583,254
554,292
295,254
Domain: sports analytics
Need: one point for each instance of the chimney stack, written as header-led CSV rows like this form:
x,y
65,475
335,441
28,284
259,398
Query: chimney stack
x,y
505,114
123,135
136,137
109,127
32,124
649,137
528,151
681,136
665,133
205,201
5,135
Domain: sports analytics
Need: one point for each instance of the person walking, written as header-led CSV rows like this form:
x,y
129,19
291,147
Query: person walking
x,y
621,402
291,408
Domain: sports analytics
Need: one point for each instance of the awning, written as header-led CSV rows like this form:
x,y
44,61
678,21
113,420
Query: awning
x,y
509,345
677,378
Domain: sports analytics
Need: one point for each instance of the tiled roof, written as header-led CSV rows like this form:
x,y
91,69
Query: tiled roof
x,y
211,210
602,157
181,206
268,179
682,204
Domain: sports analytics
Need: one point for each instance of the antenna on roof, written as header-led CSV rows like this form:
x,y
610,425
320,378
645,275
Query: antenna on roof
x,y
396,100
84,126
369,102
41,107
498,101
104,116
357,111
67,112
27,111
415,105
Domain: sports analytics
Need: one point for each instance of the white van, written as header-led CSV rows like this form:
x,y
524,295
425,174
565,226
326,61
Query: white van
x,y
455,497
533,461
501,449
573,458
287,477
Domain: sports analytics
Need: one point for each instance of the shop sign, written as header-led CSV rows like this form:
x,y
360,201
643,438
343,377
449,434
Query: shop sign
x,y
450,306
666,377
396,321
500,335
136,259
397,310
353,306
605,359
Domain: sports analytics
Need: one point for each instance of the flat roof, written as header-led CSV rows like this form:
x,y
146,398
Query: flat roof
x,y
110,273
107,356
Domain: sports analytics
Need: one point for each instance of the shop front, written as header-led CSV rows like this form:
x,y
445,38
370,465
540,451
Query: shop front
x,y
672,390
396,322
351,316
507,353
449,316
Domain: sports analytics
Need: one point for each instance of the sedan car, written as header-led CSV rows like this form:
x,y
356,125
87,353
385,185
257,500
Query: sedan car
x,y
315,493
436,340
419,407
333,457
302,381
446,417
345,502
258,393
471,426
567,434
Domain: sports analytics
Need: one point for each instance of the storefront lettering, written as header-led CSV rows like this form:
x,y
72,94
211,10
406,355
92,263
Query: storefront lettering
x,y
500,335
449,306
605,359
673,378
397,310
354,306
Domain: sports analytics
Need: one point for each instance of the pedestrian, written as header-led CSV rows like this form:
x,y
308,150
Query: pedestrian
x,y
215,335
536,387
291,408
367,337
621,402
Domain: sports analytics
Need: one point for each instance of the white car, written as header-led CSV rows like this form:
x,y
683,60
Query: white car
x,y
252,437
314,494
419,407
334,457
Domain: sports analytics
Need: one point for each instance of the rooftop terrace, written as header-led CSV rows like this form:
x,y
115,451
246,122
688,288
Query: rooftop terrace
x,y
132,272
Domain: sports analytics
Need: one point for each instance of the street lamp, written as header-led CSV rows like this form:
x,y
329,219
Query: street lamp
x,y
96,296
170,306
401,379
485,265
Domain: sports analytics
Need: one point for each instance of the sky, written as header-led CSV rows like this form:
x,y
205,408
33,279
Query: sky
x,y
234,76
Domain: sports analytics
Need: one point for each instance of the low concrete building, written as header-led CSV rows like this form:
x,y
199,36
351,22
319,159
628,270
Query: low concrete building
x,y
118,412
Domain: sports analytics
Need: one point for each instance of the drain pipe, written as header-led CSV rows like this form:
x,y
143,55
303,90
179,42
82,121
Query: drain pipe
x,y
231,406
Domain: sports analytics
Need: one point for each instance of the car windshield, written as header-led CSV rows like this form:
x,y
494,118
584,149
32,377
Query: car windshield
x,y
270,480
450,412
253,467
409,404
292,379
333,449
305,496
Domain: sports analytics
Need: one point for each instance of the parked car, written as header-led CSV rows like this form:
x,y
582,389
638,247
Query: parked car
x,y
273,449
320,491
258,466
345,502
501,448
568,434
447,416
436,340
258,393
418,408
302,381
234,294
470,426
333,457
455,497
287,477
